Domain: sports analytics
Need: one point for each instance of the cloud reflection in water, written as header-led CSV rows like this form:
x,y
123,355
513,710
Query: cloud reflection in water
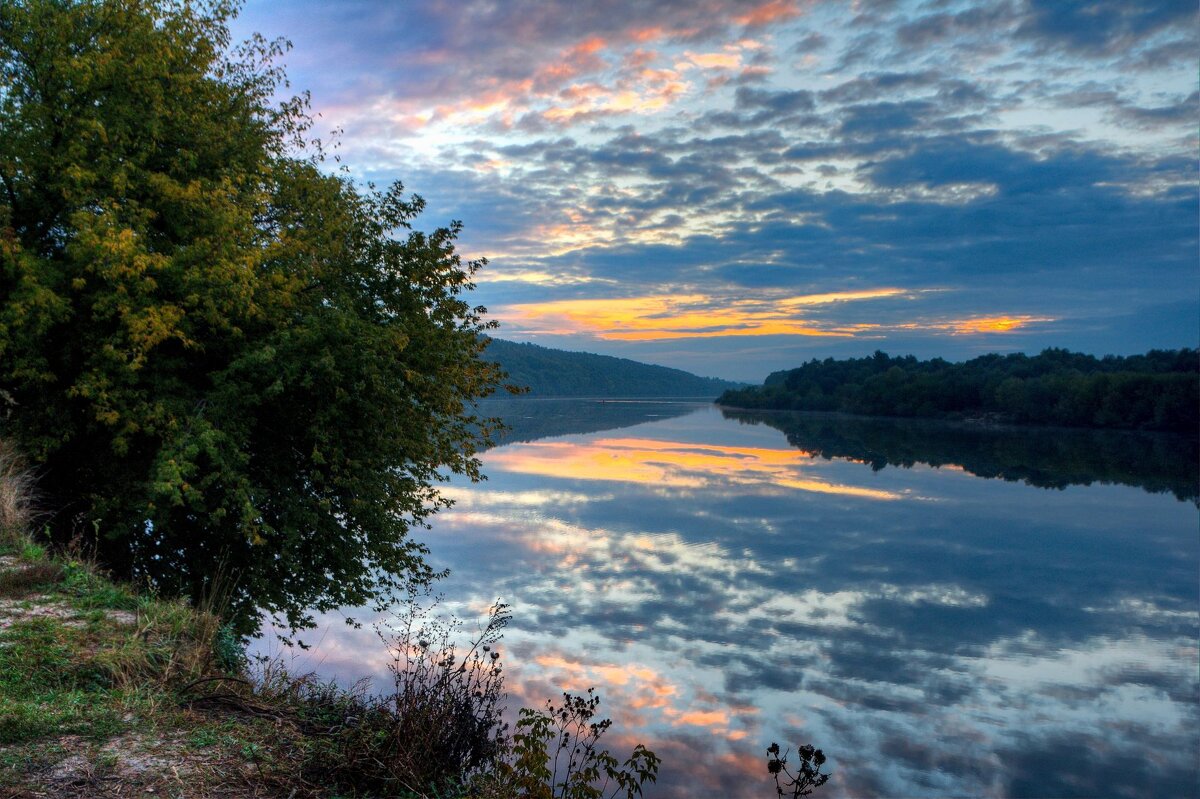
x,y
722,589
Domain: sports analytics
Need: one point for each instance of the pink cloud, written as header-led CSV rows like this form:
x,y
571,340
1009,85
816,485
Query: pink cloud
x,y
768,13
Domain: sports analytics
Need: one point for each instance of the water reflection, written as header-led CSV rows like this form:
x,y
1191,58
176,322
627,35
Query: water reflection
x,y
1048,458
935,633
532,418
668,464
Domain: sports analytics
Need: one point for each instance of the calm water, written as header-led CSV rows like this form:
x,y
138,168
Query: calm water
x,y
729,582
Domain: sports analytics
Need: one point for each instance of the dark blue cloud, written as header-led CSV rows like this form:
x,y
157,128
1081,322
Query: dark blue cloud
x,y
1058,766
929,30
1096,28
779,102
981,159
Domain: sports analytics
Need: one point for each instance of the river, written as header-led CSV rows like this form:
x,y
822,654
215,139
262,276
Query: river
x,y
944,610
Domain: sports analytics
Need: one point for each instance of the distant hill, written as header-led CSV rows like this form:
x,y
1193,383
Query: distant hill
x,y
558,373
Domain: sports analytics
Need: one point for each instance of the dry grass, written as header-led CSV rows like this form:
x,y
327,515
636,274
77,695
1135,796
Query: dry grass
x,y
16,495
19,582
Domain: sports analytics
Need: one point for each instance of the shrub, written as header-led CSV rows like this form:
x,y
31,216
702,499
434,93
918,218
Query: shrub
x,y
439,731
449,706
555,754
439,726
806,778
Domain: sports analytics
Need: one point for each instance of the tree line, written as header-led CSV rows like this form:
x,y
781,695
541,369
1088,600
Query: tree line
x,y
1159,390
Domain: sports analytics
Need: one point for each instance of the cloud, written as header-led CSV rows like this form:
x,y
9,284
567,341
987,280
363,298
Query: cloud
x,y
1094,28
931,29
625,150
779,102
666,317
685,316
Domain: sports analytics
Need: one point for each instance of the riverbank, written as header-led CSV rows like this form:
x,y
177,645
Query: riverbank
x,y
105,693
111,691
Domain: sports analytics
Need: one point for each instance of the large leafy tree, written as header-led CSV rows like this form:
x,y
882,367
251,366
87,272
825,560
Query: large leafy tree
x,y
226,360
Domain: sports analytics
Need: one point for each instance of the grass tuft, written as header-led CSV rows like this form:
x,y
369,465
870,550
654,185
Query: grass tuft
x,y
17,509
16,583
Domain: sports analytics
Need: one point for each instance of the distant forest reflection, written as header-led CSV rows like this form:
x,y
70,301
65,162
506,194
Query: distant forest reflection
x,y
1042,457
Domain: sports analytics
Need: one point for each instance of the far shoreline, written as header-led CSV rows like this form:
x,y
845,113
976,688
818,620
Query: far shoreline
x,y
972,422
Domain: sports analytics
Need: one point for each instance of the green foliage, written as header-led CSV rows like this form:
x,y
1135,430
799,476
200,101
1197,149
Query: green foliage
x,y
72,662
229,652
555,754
219,355
32,551
18,582
438,726
47,685
1156,391
88,589
557,373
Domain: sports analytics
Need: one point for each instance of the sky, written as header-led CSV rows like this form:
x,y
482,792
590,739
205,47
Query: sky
x,y
733,188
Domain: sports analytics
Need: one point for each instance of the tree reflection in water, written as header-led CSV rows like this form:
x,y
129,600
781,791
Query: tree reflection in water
x,y
1043,457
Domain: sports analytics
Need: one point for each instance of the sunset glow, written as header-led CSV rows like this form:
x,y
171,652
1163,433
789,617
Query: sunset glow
x,y
687,316
698,316
997,324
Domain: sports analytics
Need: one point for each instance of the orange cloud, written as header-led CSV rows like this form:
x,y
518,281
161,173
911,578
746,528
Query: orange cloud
x,y
638,688
977,325
581,100
553,89
768,12
669,464
662,317
609,674
995,324
588,46
689,316
635,688
715,60
700,718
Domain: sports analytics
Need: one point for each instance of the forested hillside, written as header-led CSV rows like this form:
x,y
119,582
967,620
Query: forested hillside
x,y
1156,391
558,373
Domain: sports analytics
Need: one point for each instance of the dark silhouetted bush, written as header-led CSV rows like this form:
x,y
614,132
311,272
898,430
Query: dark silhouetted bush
x,y
808,773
